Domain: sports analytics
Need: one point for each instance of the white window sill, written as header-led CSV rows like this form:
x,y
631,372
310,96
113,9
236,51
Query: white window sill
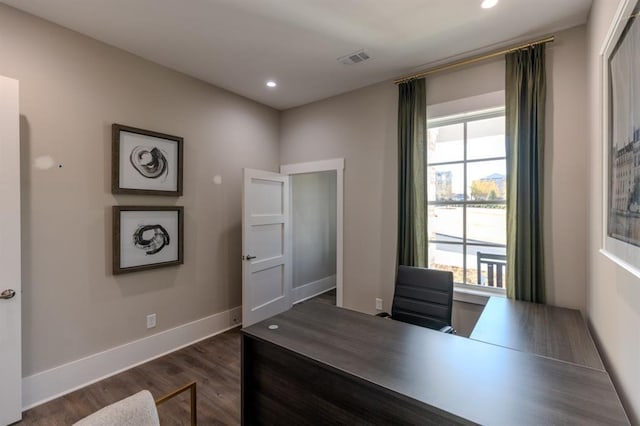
x,y
478,296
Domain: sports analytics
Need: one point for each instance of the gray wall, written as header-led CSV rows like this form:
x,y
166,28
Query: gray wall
x,y
314,226
565,218
361,127
613,294
72,89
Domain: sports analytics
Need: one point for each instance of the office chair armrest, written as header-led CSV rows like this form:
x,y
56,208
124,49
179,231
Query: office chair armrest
x,y
383,315
448,329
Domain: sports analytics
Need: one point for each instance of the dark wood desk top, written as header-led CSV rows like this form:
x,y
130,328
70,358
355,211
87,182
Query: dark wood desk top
x,y
549,331
467,379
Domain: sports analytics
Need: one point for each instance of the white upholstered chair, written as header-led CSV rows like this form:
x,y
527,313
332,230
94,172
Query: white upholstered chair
x,y
137,410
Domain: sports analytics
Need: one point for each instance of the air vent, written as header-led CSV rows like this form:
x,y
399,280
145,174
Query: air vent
x,y
354,58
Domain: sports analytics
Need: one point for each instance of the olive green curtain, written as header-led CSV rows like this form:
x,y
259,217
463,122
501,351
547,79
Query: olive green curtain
x,y
525,124
412,206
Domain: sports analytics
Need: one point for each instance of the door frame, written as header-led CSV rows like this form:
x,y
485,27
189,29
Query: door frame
x,y
337,165
10,231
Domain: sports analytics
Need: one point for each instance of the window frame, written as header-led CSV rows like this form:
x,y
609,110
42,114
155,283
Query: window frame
x,y
464,119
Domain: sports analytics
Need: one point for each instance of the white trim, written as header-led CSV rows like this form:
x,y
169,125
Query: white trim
x,y
615,29
50,384
630,268
312,166
10,259
336,164
312,289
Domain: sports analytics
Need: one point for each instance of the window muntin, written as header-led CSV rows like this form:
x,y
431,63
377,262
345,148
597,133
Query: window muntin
x,y
466,188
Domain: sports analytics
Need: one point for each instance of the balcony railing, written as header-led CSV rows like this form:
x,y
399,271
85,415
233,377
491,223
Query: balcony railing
x,y
496,269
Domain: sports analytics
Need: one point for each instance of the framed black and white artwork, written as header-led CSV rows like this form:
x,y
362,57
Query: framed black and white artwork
x,y
145,162
621,139
147,237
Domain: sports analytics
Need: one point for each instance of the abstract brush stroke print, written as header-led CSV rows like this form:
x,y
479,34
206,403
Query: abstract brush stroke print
x,y
150,163
151,238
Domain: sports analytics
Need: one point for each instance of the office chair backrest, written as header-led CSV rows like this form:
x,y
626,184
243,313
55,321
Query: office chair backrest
x,y
423,297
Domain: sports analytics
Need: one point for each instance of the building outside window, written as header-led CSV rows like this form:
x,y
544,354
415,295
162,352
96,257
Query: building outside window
x,y
467,196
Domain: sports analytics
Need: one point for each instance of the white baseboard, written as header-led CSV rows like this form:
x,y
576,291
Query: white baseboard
x,y
50,384
312,289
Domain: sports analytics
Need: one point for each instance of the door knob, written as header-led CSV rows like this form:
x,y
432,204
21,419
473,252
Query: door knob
x,y
7,294
249,257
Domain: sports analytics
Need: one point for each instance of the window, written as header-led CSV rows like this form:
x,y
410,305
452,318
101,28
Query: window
x,y
467,190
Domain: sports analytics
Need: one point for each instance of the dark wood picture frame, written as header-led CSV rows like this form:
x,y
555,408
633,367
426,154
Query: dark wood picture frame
x,y
118,236
118,163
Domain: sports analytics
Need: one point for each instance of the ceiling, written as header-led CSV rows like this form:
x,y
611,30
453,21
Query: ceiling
x,y
241,44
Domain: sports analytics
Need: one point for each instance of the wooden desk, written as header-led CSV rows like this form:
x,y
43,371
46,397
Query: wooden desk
x,y
549,331
326,365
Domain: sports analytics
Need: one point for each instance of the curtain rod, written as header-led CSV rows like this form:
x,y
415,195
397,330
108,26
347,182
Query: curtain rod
x,y
473,60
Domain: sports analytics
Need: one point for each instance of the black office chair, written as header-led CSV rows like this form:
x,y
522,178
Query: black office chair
x,y
423,297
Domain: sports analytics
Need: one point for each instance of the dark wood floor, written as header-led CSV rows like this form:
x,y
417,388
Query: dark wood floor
x,y
214,363
327,297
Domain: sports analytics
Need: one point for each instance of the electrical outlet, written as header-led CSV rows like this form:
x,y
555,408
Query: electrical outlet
x,y
151,321
378,304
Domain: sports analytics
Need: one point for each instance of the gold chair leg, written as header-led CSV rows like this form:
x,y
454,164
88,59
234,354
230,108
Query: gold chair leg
x,y
192,388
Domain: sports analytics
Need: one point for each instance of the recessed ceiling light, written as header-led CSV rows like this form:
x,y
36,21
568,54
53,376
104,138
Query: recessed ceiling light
x,y
488,4
271,83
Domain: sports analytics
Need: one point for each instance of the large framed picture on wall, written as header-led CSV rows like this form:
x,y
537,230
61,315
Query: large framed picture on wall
x,y
145,162
621,139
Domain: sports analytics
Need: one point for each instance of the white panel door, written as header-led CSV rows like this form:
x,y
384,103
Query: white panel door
x,y
266,257
10,284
